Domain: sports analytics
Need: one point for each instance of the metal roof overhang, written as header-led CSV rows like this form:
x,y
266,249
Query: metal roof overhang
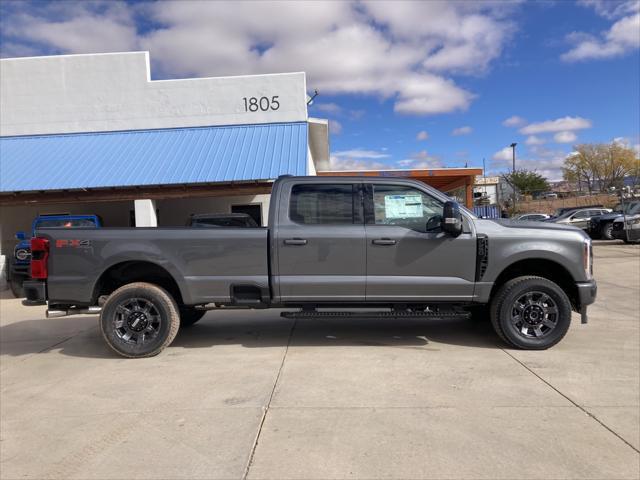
x,y
148,160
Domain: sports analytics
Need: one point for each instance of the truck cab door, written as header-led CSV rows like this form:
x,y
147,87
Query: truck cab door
x,y
320,243
409,257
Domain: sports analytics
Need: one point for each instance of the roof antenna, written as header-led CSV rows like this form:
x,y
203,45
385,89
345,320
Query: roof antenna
x,y
310,99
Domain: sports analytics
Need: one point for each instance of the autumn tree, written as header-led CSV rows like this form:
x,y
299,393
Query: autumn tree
x,y
527,181
600,166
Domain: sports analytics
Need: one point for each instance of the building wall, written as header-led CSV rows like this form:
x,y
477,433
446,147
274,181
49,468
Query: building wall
x,y
114,91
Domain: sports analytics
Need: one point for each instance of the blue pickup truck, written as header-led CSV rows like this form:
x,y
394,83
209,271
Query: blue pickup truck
x,y
19,264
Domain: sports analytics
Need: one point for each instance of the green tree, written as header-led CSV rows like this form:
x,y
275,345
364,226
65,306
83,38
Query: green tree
x,y
527,181
600,166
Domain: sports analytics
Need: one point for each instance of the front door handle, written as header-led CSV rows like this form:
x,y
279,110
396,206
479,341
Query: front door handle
x,y
383,241
295,241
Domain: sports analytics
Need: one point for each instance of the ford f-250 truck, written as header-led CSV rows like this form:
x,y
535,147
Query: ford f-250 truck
x,y
389,244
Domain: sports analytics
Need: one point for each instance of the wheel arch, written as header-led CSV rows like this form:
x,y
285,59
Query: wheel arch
x,y
130,271
540,267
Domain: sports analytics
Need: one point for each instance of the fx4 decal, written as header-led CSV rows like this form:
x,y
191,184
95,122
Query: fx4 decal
x,y
73,243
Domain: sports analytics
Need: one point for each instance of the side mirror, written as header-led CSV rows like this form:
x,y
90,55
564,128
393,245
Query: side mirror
x,y
451,219
21,236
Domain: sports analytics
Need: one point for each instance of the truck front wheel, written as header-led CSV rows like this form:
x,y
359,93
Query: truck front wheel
x,y
139,320
531,313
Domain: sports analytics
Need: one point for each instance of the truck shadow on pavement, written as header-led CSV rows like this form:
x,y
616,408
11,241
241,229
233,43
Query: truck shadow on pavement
x,y
79,336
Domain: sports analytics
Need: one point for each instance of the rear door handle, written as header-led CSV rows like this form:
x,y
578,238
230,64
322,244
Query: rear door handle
x,y
383,241
295,241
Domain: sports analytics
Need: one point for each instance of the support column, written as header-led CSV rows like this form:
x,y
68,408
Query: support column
x,y
468,187
145,211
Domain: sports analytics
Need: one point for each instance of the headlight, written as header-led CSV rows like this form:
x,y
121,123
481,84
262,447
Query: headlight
x,y
22,254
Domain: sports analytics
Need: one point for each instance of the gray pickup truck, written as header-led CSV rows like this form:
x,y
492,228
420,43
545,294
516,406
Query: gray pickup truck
x,y
391,245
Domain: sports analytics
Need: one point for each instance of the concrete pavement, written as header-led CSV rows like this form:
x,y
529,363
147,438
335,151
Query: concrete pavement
x,y
252,395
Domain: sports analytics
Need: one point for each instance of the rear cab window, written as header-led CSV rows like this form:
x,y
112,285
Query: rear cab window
x,y
323,204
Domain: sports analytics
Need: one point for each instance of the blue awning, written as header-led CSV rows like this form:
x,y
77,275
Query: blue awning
x,y
152,157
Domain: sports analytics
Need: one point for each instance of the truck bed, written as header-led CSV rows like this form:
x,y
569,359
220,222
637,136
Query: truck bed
x,y
204,262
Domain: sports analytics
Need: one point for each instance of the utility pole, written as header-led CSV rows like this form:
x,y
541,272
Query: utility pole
x,y
513,173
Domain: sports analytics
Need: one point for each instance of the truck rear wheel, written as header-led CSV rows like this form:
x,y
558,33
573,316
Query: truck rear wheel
x,y
532,313
190,315
139,320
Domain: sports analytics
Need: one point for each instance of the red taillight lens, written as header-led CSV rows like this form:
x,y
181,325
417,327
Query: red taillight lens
x,y
39,257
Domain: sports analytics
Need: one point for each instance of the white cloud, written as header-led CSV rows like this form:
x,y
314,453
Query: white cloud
x,y
514,121
420,160
335,127
558,125
565,137
332,108
611,9
422,135
406,52
466,130
546,162
361,154
91,27
533,140
357,159
503,155
622,37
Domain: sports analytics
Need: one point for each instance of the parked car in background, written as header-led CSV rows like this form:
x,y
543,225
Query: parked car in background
x,y
207,220
19,263
536,217
561,211
627,228
548,196
601,226
580,218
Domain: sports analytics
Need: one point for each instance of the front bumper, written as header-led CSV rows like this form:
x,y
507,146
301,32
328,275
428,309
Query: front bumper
x,y
587,292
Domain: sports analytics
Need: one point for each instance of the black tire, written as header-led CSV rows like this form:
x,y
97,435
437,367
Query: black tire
x,y
606,232
139,320
189,316
15,284
545,317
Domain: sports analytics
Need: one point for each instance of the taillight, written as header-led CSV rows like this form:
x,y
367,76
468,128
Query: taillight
x,y
39,257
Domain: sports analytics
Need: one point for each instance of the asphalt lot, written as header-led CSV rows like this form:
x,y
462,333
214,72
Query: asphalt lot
x,y
249,394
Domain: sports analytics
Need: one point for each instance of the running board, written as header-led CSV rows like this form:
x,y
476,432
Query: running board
x,y
398,314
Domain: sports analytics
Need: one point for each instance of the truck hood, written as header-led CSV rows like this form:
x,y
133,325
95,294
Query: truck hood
x,y
529,225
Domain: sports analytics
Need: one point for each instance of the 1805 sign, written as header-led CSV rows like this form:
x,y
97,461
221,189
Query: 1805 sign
x,y
264,104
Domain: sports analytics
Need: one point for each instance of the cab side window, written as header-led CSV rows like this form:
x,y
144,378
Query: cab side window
x,y
322,204
406,207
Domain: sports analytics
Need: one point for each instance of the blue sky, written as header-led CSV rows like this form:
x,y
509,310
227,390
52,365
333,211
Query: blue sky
x,y
404,84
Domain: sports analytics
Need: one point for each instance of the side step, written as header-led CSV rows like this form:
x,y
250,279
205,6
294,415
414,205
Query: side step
x,y
444,314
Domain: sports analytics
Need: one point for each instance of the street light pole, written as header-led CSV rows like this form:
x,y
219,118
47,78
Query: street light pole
x,y
513,172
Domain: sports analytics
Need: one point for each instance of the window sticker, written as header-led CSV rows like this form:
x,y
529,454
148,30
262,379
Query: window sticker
x,y
403,206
